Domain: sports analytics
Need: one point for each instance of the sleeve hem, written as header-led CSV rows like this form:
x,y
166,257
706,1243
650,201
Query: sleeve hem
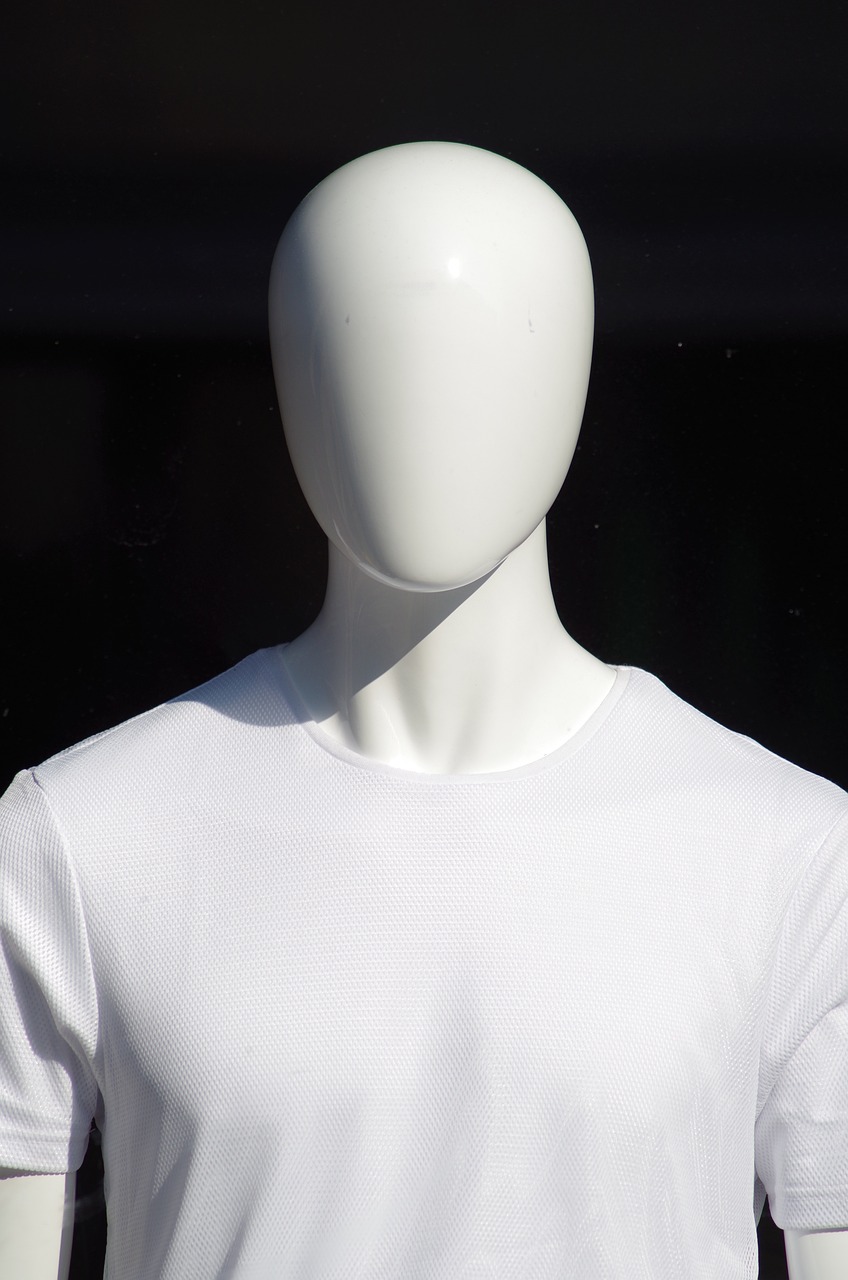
x,y
811,1209
42,1153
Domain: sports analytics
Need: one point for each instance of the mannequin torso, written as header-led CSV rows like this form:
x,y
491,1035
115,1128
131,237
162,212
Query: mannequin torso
x,y
469,679
431,328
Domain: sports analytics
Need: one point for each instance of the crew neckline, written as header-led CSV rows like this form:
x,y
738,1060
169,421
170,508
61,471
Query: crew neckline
x,y
330,746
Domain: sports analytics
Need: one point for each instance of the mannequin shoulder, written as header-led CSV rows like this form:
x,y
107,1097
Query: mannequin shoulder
x,y
188,727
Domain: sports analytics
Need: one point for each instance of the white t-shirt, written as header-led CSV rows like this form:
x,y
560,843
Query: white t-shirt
x,y
339,1021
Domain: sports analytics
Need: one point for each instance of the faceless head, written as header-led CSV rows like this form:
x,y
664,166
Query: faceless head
x,y
431,330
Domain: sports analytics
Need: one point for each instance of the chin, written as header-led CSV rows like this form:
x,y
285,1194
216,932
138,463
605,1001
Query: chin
x,y
429,582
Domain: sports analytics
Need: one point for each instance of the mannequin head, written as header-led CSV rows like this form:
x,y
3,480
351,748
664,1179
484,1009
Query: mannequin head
x,y
431,331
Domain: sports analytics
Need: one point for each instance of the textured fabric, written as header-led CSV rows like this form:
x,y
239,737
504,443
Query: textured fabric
x,y
341,1021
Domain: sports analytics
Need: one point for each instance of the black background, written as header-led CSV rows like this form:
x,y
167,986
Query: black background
x,y
152,533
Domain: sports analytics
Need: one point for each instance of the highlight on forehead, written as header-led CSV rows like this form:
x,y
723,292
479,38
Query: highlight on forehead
x,y
432,209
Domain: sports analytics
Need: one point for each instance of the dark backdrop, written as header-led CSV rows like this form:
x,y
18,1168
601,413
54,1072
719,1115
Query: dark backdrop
x,y
152,533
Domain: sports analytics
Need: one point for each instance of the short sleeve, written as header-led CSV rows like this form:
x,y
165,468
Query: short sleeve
x,y
802,1123
48,1006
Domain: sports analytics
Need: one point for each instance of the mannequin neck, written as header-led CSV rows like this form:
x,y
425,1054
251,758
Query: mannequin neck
x,y
477,679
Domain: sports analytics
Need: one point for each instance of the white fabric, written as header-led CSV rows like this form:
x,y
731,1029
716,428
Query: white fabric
x,y
341,1021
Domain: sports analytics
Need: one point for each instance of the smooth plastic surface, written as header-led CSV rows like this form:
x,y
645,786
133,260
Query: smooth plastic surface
x,y
431,318
36,1224
431,321
817,1255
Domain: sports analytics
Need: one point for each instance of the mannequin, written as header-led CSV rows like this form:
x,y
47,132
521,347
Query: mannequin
x,y
431,330
362,665
435,506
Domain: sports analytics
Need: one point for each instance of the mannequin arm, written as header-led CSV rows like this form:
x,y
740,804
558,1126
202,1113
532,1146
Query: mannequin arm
x,y
817,1255
36,1224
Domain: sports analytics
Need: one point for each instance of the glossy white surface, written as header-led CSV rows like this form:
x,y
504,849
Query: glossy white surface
x,y
431,329
817,1255
36,1225
431,319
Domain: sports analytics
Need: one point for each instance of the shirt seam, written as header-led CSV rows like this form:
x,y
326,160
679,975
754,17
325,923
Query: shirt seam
x,y
565,752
